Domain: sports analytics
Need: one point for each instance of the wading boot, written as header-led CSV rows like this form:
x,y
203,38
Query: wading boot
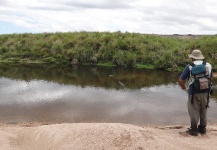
x,y
202,129
192,132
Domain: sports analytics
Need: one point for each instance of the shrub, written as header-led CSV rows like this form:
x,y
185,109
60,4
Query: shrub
x,y
124,58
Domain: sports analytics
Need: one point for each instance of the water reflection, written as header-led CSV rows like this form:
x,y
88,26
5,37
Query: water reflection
x,y
91,94
115,78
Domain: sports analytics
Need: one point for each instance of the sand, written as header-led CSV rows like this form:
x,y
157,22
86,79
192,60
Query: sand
x,y
103,136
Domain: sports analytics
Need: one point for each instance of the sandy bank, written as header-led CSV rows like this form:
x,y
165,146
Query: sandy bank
x,y
98,136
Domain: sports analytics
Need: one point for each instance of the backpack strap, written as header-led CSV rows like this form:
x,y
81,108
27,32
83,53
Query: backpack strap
x,y
208,94
192,96
204,62
207,104
192,64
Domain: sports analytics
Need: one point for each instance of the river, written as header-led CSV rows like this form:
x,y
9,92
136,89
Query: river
x,y
57,94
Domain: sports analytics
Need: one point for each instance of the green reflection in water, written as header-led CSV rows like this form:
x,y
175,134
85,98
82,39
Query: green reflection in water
x,y
105,77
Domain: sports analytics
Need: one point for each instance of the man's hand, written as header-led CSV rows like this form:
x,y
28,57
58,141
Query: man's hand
x,y
182,84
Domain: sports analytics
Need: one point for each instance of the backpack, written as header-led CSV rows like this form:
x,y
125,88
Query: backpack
x,y
202,82
201,79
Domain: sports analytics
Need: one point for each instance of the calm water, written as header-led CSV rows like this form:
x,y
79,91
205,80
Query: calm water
x,y
40,93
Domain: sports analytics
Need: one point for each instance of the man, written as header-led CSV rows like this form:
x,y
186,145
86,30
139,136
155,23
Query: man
x,y
197,101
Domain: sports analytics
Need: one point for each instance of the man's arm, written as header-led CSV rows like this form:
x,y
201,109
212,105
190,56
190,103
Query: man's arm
x,y
185,74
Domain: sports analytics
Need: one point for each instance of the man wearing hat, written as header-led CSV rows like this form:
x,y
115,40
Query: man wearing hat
x,y
197,101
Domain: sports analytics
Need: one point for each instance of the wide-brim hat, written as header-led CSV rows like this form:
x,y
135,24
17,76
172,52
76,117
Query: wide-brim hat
x,y
196,54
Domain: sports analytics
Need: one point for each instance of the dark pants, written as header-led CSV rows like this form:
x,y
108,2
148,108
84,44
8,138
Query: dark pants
x,y
198,111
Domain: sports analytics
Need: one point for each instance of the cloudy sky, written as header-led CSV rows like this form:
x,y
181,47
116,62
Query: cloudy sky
x,y
141,16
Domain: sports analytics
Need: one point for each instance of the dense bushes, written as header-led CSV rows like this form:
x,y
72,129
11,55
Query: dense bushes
x,y
120,49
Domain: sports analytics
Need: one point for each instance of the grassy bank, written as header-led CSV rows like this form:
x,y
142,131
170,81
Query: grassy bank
x,y
105,48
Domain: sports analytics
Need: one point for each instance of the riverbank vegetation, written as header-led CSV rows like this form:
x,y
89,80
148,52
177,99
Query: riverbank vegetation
x,y
108,49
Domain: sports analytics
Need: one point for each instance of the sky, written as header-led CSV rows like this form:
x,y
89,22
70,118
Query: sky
x,y
137,16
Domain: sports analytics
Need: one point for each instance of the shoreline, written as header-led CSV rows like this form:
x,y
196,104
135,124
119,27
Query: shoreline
x,y
98,136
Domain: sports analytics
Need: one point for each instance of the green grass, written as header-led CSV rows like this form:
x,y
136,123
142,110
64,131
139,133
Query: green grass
x,y
106,49
141,66
106,64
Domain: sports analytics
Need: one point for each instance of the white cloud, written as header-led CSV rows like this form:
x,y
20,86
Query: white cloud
x,y
143,16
